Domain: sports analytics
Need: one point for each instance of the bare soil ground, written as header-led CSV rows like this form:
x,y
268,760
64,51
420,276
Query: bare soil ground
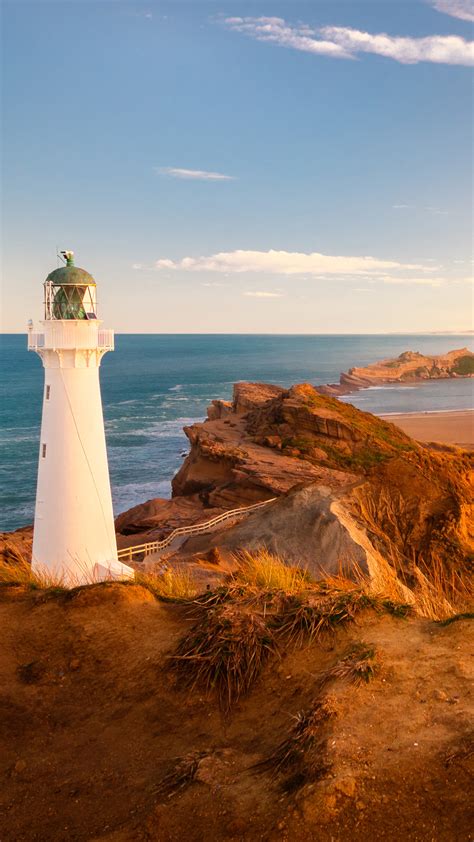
x,y
92,723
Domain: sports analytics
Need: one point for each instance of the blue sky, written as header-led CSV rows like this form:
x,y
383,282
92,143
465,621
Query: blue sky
x,y
242,167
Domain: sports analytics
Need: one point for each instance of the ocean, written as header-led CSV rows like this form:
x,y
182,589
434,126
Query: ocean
x,y
153,385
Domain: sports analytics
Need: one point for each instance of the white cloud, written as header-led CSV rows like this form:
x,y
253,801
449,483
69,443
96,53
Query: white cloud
x,y
196,175
401,207
276,30
440,49
345,42
284,263
462,9
260,294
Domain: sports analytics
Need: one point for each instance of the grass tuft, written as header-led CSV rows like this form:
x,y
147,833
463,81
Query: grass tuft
x,y
175,584
20,574
303,751
267,572
181,775
317,614
224,651
359,665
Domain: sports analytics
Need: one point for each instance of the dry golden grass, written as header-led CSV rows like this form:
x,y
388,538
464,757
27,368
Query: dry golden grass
x,y
174,584
20,574
434,592
267,572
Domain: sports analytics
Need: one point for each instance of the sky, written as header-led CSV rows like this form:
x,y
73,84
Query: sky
x,y
242,167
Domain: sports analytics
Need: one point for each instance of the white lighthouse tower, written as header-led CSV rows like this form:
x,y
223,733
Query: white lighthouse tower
x,y
74,536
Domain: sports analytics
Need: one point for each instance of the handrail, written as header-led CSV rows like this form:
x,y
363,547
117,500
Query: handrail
x,y
150,547
71,337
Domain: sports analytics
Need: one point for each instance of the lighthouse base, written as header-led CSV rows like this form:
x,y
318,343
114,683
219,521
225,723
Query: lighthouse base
x,y
68,576
113,571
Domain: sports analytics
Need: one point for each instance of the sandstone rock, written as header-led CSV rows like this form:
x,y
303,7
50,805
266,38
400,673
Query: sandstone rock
x,y
219,409
410,366
249,395
310,527
388,496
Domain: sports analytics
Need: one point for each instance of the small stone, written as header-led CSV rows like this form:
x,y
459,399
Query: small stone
x,y
330,802
440,695
19,767
346,786
74,664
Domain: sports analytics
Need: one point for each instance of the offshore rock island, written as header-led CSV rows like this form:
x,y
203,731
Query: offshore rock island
x,y
408,367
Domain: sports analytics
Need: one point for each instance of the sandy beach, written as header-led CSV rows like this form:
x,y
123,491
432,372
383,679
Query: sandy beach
x,y
446,427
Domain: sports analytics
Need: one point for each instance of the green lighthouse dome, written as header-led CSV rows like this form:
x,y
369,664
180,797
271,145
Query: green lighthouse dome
x,y
70,275
72,292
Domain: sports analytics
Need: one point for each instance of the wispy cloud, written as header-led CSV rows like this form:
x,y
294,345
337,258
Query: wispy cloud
x,y
346,43
284,34
437,211
195,175
286,263
462,9
261,294
213,284
432,282
428,209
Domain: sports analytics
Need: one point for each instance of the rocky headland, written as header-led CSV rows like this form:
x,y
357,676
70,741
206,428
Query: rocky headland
x,y
352,489
286,701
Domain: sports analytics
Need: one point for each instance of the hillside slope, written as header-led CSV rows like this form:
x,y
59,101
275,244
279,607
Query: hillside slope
x,y
100,741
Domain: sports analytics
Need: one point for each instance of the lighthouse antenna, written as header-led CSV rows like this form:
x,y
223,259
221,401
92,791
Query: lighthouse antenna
x,y
67,257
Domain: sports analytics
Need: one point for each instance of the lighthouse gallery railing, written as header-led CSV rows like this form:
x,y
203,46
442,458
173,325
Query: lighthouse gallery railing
x,y
127,553
68,337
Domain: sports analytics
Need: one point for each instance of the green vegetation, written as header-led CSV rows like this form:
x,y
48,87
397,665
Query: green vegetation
x,y
464,366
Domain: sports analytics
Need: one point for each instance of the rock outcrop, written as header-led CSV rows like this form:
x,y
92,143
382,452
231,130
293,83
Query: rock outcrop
x,y
366,485
409,367
310,527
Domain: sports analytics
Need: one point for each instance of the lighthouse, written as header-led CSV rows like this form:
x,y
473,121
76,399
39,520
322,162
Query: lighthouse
x,y
74,537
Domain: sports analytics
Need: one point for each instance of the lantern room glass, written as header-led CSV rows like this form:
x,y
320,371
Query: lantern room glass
x,y
70,301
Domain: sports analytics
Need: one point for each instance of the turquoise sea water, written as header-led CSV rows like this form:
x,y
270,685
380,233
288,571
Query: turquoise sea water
x,y
152,385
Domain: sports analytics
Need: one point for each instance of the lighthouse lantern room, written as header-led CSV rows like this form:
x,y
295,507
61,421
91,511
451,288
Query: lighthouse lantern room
x,y
74,537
